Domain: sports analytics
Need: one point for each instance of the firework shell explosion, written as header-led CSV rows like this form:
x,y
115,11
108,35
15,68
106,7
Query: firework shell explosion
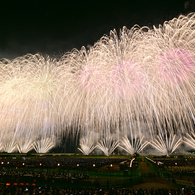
x,y
138,85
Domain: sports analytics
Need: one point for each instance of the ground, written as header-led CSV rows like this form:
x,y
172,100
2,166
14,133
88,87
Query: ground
x,y
153,182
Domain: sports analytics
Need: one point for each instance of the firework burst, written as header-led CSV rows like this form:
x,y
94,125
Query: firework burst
x,y
133,146
108,145
190,140
44,145
139,81
86,146
166,145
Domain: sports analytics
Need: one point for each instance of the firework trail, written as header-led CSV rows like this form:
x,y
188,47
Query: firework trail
x,y
139,84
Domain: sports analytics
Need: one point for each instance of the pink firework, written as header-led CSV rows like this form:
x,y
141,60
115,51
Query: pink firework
x,y
92,78
127,78
176,65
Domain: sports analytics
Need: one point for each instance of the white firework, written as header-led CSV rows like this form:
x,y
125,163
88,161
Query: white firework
x,y
134,145
129,83
44,145
86,145
25,145
166,145
108,145
10,147
190,140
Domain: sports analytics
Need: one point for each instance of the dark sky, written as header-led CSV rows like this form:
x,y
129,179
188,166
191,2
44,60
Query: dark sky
x,y
59,26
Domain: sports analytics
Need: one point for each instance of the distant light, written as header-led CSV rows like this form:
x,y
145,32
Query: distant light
x,y
16,167
2,163
93,165
111,165
77,165
7,184
58,164
15,184
8,163
40,164
23,163
131,162
175,163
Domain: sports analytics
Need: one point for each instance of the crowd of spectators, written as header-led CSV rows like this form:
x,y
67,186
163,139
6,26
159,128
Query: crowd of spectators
x,y
180,167
57,172
113,191
41,175
62,163
66,172
190,162
190,172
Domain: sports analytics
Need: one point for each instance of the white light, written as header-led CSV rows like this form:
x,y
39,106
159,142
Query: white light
x,y
131,162
77,165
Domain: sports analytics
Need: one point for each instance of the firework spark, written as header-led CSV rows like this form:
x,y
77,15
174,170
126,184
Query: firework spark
x,y
190,140
44,145
86,146
139,81
108,145
133,146
166,145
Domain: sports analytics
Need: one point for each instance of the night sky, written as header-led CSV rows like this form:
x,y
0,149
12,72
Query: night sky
x,y
56,27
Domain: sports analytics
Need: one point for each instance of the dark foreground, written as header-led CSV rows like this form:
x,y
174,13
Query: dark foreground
x,y
113,191
27,174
